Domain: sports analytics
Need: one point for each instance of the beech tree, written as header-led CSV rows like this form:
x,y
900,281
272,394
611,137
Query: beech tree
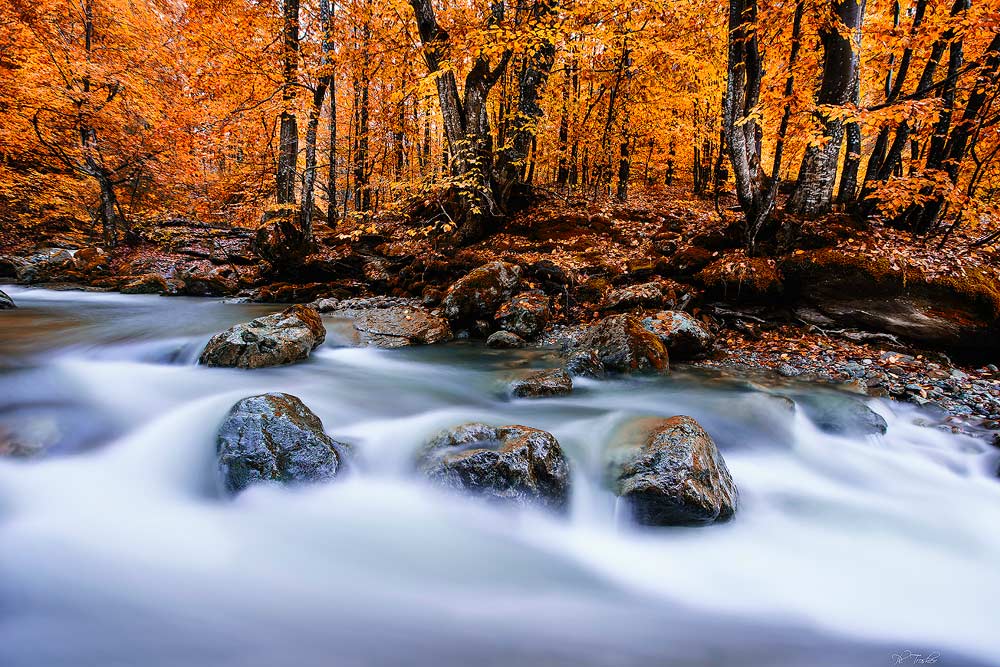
x,y
813,194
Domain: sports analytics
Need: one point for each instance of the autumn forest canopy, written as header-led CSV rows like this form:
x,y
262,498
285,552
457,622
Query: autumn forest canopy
x,y
124,113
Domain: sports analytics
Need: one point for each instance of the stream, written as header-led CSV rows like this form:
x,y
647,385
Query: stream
x,y
117,548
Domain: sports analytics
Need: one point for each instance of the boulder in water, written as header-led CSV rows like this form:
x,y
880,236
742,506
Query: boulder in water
x,y
6,303
585,363
839,414
147,283
281,338
514,464
504,340
389,322
525,315
274,438
624,346
669,472
538,384
682,335
479,293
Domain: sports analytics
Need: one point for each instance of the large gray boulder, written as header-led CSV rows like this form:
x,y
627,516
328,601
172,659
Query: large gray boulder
x,y
525,315
274,438
281,338
6,303
624,346
513,464
389,322
669,472
479,293
682,335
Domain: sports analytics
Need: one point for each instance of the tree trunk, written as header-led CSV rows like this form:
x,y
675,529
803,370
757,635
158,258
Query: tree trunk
x,y
741,132
288,147
924,217
466,124
814,193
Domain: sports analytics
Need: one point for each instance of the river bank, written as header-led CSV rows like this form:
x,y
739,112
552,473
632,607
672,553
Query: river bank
x,y
885,318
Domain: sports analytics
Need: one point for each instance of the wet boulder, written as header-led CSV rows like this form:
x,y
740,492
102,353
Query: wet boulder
x,y
504,340
585,363
46,266
525,315
206,279
669,472
6,303
682,335
274,438
624,346
390,322
511,464
840,414
147,283
479,293
539,384
281,338
91,261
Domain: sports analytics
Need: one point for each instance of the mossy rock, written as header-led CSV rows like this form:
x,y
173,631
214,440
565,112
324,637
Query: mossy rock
x,y
738,278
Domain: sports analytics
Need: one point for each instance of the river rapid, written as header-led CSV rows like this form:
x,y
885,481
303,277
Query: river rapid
x,y
116,548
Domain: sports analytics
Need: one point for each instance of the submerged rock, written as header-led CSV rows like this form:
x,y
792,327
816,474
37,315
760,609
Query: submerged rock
x,y
479,294
6,303
525,315
514,464
624,346
274,438
682,335
669,472
390,323
840,414
504,340
281,338
550,382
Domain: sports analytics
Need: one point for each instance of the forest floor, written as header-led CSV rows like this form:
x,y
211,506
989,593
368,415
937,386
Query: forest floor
x,y
869,308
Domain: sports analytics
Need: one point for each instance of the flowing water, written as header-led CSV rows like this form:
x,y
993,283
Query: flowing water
x,y
117,549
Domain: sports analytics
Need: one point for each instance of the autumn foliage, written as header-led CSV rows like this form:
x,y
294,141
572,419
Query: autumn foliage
x,y
123,113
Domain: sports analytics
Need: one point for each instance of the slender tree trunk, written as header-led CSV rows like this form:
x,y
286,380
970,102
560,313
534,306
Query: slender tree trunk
x,y
886,158
852,155
924,217
814,193
288,148
331,177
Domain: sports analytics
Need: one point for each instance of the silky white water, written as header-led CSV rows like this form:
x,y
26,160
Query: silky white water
x,y
117,549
